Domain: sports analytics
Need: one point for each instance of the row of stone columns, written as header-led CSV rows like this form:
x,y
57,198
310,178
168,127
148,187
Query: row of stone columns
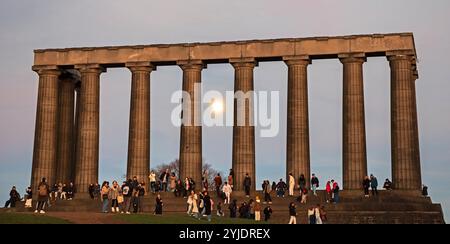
x,y
65,143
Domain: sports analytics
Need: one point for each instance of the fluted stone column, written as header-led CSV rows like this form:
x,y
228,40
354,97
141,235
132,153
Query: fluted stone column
x,y
244,134
139,134
354,130
46,130
86,171
297,146
76,127
191,131
406,172
66,108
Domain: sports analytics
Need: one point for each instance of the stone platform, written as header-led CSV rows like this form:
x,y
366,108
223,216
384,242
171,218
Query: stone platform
x,y
388,208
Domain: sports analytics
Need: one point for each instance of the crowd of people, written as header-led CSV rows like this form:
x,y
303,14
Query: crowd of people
x,y
128,197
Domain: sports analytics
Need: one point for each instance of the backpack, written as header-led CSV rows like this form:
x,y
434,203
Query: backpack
x,y
43,190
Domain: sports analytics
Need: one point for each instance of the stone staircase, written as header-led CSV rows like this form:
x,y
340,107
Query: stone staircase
x,y
389,207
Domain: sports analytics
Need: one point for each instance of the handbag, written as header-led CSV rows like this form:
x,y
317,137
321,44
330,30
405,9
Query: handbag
x,y
120,199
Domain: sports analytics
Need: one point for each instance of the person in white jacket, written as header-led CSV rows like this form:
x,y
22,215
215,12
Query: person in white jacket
x,y
291,184
227,190
192,205
152,180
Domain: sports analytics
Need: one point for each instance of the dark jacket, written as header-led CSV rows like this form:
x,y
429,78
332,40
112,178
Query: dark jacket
x,y
247,181
374,182
207,203
14,195
302,182
268,210
315,181
281,186
233,209
292,210
141,191
366,183
167,175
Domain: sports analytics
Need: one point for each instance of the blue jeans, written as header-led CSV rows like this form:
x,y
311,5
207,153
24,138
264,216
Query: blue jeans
x,y
152,186
314,187
105,205
336,197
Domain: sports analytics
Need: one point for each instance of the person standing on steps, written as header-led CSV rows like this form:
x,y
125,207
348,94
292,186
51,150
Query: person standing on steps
x,y
173,182
207,205
96,191
281,188
227,190
301,183
292,213
366,185
91,190
233,208
247,185
304,196
291,184
71,191
267,189
152,180
374,185
311,216
231,178
164,179
141,195
218,184
328,188
159,205
257,209
317,213
335,192
314,184
43,193
274,186
205,184
267,213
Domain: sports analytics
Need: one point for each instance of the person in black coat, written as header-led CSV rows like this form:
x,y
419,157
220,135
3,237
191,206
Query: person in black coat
x,y
247,185
14,197
159,205
366,185
207,203
233,208
70,190
91,191
267,213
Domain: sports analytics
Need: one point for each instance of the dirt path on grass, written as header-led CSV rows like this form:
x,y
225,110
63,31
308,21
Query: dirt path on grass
x,y
86,218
